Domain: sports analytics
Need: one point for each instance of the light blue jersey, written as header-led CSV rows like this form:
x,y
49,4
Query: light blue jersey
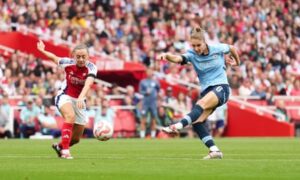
x,y
211,69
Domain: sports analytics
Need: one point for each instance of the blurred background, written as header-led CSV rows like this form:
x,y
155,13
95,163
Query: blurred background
x,y
124,38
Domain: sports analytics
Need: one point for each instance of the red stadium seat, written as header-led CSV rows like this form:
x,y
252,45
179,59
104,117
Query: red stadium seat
x,y
115,102
14,102
128,120
117,125
124,124
294,114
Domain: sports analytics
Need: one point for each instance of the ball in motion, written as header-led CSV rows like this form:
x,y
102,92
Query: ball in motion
x,y
103,130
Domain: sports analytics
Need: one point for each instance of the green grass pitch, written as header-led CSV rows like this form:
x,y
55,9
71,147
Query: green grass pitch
x,y
244,158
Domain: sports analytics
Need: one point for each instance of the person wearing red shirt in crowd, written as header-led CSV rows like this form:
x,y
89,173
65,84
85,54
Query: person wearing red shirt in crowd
x,y
296,89
80,75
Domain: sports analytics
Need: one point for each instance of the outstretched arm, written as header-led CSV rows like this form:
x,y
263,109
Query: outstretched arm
x,y
41,48
234,59
170,57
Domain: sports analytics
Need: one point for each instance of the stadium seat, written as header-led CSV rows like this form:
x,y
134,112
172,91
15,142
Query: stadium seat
x,y
117,125
124,124
115,102
294,115
257,102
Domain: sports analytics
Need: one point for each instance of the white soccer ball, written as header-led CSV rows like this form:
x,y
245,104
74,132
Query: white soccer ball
x,y
103,130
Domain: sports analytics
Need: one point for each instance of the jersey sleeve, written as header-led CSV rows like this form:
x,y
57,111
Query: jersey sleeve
x,y
224,48
64,62
92,70
186,57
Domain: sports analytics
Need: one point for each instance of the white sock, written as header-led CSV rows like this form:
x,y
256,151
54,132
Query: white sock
x,y
179,125
153,134
214,148
142,134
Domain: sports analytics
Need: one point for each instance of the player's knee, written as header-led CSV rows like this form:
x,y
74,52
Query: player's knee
x,y
202,104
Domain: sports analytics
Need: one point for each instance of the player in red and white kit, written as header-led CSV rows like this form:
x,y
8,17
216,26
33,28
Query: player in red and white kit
x,y
70,100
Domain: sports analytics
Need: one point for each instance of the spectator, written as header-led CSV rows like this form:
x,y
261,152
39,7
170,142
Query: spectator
x,y
235,83
105,113
28,119
38,105
246,88
163,118
280,109
48,123
169,101
149,88
259,91
5,111
296,88
173,75
133,99
181,105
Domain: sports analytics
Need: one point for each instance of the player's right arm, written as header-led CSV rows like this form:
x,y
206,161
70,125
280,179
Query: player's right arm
x,y
41,48
171,57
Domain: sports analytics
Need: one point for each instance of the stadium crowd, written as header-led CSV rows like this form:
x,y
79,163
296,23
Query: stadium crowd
x,y
267,34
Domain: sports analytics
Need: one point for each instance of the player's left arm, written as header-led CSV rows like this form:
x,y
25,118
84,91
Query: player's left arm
x,y
87,85
234,59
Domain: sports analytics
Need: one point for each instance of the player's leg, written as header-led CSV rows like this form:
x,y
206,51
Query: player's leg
x,y
199,112
143,122
212,98
78,130
143,127
68,114
154,117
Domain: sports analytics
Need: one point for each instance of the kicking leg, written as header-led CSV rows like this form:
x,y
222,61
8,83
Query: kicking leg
x,y
204,105
77,133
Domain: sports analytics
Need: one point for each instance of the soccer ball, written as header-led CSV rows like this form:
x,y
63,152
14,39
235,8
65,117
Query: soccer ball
x,y
103,130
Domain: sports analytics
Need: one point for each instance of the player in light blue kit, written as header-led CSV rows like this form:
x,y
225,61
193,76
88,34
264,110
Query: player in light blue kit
x,y
209,62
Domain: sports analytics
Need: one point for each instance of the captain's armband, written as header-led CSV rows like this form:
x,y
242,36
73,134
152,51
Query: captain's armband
x,y
184,60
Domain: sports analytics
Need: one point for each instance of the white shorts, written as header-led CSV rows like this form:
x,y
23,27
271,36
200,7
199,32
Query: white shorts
x,y
80,114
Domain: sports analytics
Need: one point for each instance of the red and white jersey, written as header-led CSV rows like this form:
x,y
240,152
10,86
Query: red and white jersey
x,y
75,76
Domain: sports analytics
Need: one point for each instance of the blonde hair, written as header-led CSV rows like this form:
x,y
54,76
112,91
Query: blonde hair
x,y
80,46
197,33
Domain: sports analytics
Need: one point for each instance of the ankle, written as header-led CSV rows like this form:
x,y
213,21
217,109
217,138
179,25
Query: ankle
x,y
65,151
179,126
